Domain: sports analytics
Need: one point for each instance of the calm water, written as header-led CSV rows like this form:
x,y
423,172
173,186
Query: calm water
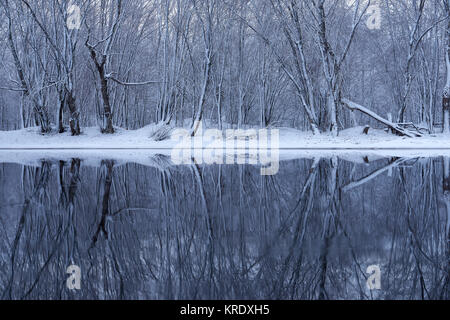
x,y
225,232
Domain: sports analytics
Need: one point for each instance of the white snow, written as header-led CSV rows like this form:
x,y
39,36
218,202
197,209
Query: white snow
x,y
354,138
91,138
27,146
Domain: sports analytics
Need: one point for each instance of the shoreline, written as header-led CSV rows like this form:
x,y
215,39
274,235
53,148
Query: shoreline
x,y
289,139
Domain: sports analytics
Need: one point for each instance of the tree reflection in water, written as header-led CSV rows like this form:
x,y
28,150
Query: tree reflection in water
x,y
225,232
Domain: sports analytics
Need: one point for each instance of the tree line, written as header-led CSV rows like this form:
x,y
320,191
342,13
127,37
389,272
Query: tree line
x,y
233,62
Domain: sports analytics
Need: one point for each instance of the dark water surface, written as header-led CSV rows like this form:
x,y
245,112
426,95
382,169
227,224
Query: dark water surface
x,y
226,232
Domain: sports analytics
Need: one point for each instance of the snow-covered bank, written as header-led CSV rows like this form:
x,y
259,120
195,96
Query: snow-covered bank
x,y
29,147
354,138
161,158
91,138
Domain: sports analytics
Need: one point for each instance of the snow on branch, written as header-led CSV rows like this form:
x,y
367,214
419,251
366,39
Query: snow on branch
x,y
394,126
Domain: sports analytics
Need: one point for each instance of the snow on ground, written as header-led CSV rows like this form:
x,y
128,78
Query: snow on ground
x,y
354,138
91,138
27,146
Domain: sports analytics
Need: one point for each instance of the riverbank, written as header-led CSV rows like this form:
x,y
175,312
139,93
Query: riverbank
x,y
91,138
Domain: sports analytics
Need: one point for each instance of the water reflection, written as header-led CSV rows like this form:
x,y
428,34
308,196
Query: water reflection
x,y
226,232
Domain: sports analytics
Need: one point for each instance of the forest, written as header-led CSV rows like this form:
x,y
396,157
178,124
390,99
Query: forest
x,y
308,65
355,94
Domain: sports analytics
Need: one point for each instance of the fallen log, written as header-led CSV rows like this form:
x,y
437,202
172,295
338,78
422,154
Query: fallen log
x,y
373,175
395,127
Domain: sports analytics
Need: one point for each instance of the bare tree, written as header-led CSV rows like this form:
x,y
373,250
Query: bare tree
x,y
65,56
102,58
446,93
30,61
240,63
205,16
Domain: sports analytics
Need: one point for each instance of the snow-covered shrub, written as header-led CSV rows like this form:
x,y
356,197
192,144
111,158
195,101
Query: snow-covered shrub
x,y
161,132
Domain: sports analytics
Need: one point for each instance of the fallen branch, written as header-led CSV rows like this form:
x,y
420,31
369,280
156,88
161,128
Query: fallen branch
x,y
373,175
13,89
133,83
395,127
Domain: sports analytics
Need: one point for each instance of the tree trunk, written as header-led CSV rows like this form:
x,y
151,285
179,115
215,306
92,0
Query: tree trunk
x,y
201,104
43,120
395,127
107,166
447,175
446,115
332,114
107,117
107,112
74,115
62,102
446,188
446,94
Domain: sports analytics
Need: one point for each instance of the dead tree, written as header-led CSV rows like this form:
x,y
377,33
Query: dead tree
x,y
373,175
394,126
